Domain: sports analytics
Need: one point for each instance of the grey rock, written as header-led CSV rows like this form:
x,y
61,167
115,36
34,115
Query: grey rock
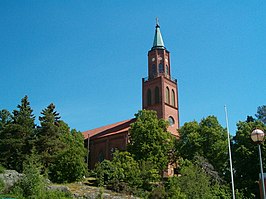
x,y
10,177
58,188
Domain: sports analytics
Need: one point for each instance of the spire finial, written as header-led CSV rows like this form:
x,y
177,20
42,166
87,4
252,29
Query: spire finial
x,y
158,40
157,22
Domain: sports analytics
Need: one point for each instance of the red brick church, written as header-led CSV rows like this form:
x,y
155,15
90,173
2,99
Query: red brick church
x,y
159,93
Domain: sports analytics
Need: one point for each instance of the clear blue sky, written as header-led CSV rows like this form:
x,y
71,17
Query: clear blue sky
x,y
88,57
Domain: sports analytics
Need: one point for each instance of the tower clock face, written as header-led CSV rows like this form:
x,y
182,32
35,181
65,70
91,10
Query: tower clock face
x,y
153,59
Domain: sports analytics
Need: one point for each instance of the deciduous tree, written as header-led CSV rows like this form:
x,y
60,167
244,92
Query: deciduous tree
x,y
261,113
246,159
207,139
69,164
149,139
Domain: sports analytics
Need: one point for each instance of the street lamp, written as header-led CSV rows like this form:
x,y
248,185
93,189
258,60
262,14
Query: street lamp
x,y
258,137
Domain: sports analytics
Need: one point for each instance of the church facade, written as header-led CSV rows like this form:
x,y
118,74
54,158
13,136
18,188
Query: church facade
x,y
159,93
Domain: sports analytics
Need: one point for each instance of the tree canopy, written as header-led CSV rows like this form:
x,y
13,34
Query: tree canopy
x,y
261,113
56,145
16,135
245,158
207,139
149,139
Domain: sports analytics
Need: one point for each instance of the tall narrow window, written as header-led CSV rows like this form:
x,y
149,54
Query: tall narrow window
x,y
100,156
166,70
167,95
154,72
173,97
149,97
157,96
160,68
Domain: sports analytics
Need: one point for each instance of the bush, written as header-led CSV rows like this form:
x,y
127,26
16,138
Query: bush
x,y
32,183
2,169
56,195
2,186
68,167
158,193
104,171
122,174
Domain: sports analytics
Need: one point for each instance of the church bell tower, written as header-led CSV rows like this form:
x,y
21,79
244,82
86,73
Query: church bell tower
x,y
159,89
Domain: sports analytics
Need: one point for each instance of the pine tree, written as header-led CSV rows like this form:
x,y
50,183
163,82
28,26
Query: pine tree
x,y
5,119
16,135
49,141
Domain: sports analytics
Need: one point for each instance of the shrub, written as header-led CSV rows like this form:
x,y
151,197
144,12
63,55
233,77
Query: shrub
x,y
68,167
2,169
32,183
2,186
122,174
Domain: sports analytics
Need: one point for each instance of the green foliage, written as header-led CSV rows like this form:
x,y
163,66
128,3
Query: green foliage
x,y
246,159
100,195
104,171
49,135
149,175
158,193
193,182
222,192
2,186
173,190
122,174
5,118
2,169
207,139
55,195
69,165
58,148
32,183
16,141
261,113
149,139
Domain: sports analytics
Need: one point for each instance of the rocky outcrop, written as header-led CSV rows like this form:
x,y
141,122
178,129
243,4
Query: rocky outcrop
x,y
61,188
78,190
83,191
10,177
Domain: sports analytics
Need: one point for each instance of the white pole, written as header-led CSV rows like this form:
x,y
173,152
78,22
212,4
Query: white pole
x,y
262,174
229,150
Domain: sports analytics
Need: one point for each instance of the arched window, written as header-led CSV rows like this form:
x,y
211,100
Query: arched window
x,y
157,96
167,95
173,98
171,121
149,97
160,68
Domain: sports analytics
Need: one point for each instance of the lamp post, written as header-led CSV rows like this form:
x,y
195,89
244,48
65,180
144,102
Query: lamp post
x,y
258,137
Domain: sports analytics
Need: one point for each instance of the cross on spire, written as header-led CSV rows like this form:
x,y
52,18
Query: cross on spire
x,y
157,22
158,40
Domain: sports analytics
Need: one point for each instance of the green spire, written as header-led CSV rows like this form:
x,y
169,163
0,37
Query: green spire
x,y
158,39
